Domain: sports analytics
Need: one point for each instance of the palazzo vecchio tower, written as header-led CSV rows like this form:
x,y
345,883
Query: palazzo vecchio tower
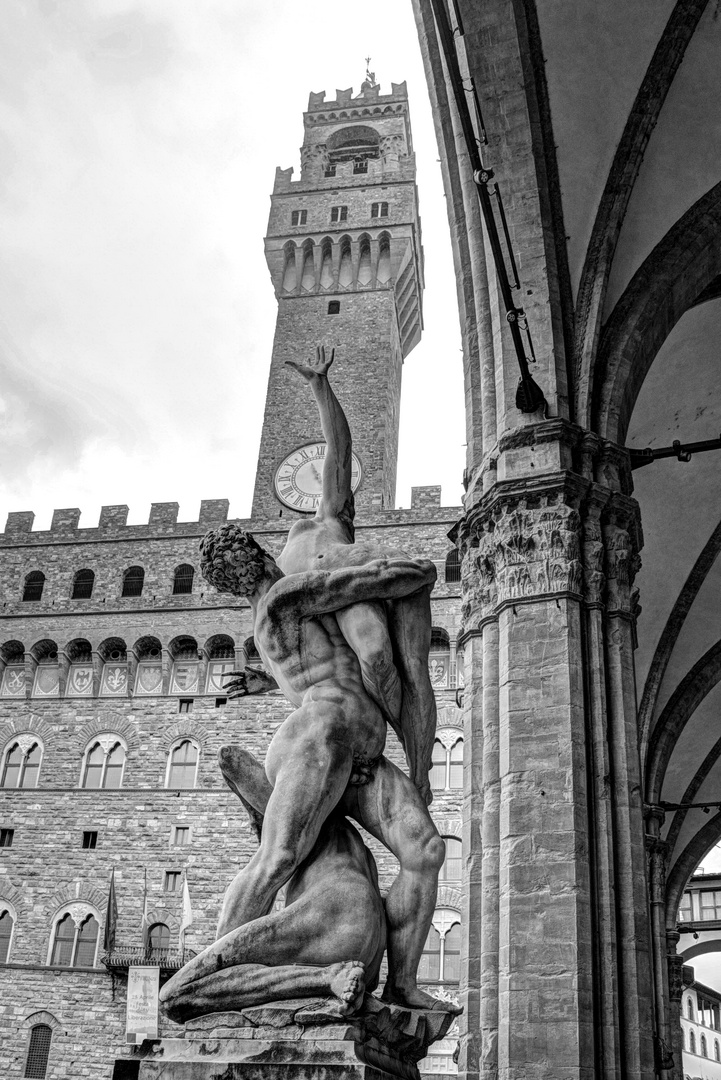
x,y
345,257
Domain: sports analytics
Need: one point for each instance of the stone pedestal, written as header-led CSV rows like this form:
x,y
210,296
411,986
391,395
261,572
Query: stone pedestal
x,y
298,1040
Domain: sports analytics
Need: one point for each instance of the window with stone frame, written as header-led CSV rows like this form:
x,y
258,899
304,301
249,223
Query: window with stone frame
x,y
339,213
34,585
171,881
7,926
6,837
441,958
158,939
689,1008
180,836
183,579
83,583
133,581
691,1042
685,913
452,868
104,763
453,566
447,761
38,1055
183,765
21,766
379,209
704,1051
75,939
299,217
710,904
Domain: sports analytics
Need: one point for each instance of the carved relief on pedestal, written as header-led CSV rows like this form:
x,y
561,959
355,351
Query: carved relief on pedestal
x,y
521,552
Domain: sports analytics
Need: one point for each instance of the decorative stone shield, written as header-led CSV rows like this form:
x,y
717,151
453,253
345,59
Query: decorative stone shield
x,y
13,683
185,678
115,680
47,681
149,679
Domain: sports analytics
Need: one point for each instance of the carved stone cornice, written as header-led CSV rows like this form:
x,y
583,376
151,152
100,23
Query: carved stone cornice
x,y
555,429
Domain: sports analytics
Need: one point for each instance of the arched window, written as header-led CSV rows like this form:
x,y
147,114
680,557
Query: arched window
x,y
158,938
36,1063
716,1050
453,565
183,579
251,653
83,585
447,766
186,668
453,862
75,943
183,765
104,763
22,764
220,650
692,1042
34,584
7,925
133,580
441,959
689,1008
703,1046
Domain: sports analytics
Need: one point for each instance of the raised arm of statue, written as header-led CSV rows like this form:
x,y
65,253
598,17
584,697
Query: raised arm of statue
x,y
336,492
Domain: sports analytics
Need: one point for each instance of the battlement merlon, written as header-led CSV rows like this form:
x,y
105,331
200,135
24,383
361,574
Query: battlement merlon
x,y
344,98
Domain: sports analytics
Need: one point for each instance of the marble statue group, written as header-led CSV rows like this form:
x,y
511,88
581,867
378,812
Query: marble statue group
x,y
343,629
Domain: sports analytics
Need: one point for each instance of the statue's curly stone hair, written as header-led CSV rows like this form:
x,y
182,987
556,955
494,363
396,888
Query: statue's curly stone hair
x,y
232,560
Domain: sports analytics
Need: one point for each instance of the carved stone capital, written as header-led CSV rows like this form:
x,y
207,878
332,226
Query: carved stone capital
x,y
517,545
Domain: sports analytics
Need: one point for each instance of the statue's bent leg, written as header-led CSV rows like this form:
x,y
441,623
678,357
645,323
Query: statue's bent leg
x,y
236,988
309,767
392,810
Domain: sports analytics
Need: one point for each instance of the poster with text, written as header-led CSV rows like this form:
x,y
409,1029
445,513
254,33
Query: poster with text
x,y
142,1013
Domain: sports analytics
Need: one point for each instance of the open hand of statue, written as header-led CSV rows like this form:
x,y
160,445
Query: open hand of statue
x,y
314,368
249,681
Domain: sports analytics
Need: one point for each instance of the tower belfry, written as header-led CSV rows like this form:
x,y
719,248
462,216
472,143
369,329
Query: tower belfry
x,y
345,257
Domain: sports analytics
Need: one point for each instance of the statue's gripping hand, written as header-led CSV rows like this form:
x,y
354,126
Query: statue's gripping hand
x,y
249,681
313,369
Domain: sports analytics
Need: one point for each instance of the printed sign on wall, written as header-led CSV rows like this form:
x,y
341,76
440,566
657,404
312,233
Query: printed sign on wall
x,y
142,1012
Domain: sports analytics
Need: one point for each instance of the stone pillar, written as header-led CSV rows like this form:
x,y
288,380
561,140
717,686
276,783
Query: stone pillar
x,y
522,609
675,996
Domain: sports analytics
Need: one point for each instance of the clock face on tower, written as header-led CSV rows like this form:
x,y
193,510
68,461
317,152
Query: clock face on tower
x,y
298,479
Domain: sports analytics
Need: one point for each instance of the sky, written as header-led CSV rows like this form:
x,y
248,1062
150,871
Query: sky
x,y
138,147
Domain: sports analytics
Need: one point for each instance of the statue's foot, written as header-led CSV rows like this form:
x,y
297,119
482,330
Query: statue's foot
x,y
348,985
413,998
